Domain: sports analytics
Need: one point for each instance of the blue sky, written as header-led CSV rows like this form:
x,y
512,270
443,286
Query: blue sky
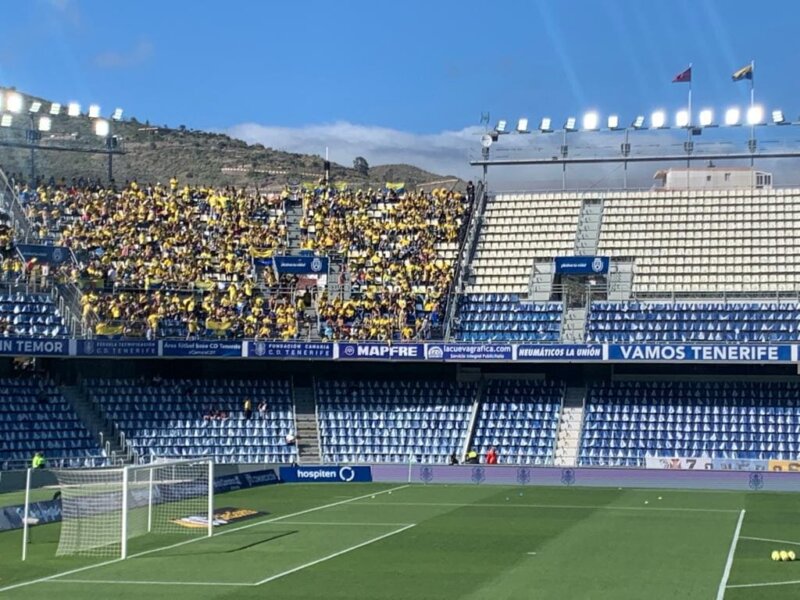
x,y
301,75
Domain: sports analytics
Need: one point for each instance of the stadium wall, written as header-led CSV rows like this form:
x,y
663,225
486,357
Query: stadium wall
x,y
589,477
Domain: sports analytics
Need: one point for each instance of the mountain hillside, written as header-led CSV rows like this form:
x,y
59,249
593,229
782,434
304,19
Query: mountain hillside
x,y
157,152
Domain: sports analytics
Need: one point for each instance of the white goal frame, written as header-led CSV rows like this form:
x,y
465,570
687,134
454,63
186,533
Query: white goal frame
x,y
127,476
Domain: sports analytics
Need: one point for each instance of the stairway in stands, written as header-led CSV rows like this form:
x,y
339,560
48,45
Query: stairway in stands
x,y
587,233
569,427
305,416
94,420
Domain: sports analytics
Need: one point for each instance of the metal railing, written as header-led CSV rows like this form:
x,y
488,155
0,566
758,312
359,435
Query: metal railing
x,y
64,462
464,256
11,204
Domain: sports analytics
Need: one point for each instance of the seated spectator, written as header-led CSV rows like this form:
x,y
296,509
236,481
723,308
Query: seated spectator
x,y
262,409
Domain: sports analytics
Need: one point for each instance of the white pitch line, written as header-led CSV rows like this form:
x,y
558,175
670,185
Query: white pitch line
x,y
560,506
331,523
116,581
531,553
729,563
192,540
766,584
334,555
758,539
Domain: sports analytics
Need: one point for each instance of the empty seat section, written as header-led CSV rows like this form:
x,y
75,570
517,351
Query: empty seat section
x,y
166,419
368,421
627,421
24,314
706,241
34,417
517,229
503,317
761,322
520,419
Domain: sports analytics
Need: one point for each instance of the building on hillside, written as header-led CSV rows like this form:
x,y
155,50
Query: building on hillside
x,y
713,178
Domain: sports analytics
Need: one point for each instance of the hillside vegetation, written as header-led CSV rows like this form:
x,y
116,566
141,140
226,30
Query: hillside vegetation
x,y
158,152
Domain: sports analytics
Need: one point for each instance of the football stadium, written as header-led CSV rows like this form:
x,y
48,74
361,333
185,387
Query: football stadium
x,y
229,371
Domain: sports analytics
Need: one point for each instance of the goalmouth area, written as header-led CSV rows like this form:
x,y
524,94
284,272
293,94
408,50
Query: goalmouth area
x,y
400,541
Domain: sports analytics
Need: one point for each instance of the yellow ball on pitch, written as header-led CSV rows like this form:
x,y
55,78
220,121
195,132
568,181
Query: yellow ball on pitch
x,y
784,555
776,555
791,555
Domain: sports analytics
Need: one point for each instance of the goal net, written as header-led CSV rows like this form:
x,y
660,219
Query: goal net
x,y
102,509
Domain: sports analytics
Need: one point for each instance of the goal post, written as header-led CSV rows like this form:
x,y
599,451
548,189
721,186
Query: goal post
x,y
102,509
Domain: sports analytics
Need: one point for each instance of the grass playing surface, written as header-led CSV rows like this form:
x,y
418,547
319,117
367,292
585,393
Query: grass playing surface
x,y
442,542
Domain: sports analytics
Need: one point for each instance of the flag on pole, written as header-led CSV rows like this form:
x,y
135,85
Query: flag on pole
x,y
744,73
683,76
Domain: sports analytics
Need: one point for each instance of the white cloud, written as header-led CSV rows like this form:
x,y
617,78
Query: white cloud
x,y
449,152
140,53
445,153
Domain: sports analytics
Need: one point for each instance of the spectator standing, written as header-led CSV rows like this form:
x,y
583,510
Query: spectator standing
x,y
38,461
248,408
262,409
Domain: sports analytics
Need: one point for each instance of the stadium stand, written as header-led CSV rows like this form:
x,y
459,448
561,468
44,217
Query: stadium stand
x,y
503,317
34,417
30,314
190,418
168,260
763,322
399,251
626,421
393,421
518,228
706,241
519,418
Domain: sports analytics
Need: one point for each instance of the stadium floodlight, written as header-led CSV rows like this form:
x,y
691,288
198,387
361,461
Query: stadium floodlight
x,y
73,109
101,127
35,107
682,118
14,102
5,120
502,126
94,111
613,122
755,115
570,124
778,118
638,122
732,116
706,117
522,125
658,119
55,109
117,116
44,123
545,125
591,121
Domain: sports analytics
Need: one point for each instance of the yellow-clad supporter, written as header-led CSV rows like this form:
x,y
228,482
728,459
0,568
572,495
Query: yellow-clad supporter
x,y
399,250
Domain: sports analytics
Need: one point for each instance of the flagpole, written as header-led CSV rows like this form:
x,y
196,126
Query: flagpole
x,y
690,96
752,144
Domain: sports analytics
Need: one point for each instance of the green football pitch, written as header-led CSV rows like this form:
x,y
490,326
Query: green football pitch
x,y
378,541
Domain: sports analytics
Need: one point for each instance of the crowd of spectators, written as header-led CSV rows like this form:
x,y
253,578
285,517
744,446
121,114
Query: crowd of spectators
x,y
392,244
169,256
177,260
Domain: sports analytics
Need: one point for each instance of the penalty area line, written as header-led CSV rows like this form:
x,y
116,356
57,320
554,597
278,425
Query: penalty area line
x,y
334,555
193,540
729,563
758,539
765,584
122,582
